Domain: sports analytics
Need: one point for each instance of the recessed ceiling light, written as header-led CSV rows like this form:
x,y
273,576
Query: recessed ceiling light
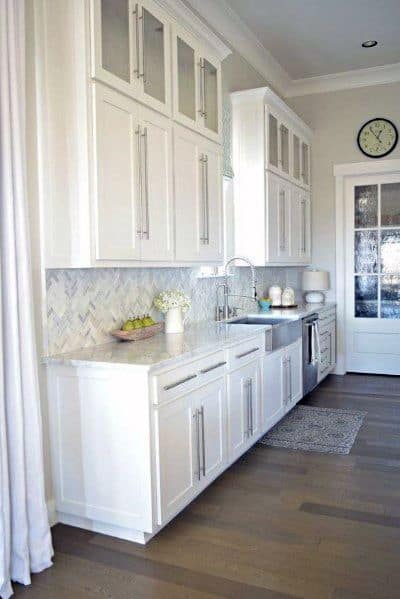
x,y
369,44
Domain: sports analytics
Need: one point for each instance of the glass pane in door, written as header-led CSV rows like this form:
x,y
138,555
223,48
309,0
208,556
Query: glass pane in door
x,y
366,252
273,140
115,37
186,79
365,206
366,296
284,148
390,296
390,204
296,157
153,67
390,251
210,96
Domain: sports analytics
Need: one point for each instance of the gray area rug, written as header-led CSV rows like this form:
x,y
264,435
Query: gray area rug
x,y
316,429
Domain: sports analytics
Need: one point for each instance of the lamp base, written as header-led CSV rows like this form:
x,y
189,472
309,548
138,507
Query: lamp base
x,y
314,297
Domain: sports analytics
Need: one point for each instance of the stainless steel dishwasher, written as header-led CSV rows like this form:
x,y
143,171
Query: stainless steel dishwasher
x,y
311,352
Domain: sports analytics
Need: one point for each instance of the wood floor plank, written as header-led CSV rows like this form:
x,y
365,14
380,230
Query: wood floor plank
x,y
279,524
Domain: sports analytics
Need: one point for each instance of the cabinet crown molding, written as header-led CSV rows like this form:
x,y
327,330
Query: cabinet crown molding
x,y
268,96
189,20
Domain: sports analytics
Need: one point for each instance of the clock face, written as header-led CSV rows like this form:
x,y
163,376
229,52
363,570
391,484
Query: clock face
x,y
377,138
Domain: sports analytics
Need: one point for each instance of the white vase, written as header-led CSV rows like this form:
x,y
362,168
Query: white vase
x,y
174,321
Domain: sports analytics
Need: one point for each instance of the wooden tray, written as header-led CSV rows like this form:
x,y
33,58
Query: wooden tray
x,y
138,334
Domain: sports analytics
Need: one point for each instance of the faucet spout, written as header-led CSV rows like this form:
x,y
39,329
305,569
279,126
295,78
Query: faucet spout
x,y
225,309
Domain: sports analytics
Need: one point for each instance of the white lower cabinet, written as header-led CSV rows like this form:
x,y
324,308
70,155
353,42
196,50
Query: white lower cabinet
x,y
190,445
274,388
131,448
244,394
327,342
293,374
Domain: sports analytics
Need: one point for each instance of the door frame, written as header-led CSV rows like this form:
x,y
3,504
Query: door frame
x,y
342,172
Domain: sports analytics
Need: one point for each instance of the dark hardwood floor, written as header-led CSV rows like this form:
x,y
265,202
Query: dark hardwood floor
x,y
278,524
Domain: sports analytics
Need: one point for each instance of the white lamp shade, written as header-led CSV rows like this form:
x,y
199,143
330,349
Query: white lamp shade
x,y
315,280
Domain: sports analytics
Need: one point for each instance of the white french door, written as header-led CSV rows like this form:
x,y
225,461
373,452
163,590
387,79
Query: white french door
x,y
372,253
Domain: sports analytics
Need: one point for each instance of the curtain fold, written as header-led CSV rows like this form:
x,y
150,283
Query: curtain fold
x,y
25,540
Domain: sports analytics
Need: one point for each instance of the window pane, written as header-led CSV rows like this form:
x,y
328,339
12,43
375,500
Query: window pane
x,y
365,206
366,251
284,148
273,140
211,96
390,251
366,296
390,297
390,205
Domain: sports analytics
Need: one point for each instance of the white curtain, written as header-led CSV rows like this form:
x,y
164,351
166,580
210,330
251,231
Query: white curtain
x,y
25,540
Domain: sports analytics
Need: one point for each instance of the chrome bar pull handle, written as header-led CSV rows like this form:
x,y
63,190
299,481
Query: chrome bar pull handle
x,y
250,384
146,226
196,417
136,13
247,353
142,74
290,378
203,443
210,368
177,383
282,211
201,67
139,230
206,203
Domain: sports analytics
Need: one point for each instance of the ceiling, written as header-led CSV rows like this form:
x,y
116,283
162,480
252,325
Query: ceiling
x,y
309,38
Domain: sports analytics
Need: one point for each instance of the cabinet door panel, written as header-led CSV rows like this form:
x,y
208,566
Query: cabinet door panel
x,y
186,79
211,96
295,365
273,398
211,401
243,412
211,248
176,456
305,163
116,164
278,240
157,198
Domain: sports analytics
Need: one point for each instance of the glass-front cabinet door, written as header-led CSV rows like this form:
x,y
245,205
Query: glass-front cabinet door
x,y
273,150
284,148
131,49
196,86
296,159
305,163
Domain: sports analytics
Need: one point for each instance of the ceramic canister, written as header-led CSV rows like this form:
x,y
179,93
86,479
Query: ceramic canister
x,y
275,293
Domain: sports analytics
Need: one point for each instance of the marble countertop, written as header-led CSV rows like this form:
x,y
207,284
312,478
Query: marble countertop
x,y
167,350
161,350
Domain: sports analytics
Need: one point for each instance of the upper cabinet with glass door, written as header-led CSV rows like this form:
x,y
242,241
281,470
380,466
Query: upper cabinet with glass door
x,y
131,50
196,85
288,142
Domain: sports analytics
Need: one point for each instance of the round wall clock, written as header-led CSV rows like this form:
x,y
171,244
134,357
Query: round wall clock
x,y
377,138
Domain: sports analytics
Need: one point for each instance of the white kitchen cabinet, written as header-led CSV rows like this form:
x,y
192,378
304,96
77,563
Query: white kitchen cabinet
x,y
272,202
300,225
196,85
327,342
198,197
131,44
191,447
244,395
106,163
274,389
133,196
293,374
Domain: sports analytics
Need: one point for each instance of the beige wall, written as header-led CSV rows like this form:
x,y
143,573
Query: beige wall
x,y
336,118
237,74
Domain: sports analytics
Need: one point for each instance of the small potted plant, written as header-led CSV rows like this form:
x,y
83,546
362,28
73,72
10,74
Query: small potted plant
x,y
173,303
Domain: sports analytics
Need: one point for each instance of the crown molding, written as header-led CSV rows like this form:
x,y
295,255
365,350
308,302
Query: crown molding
x,y
224,20
347,80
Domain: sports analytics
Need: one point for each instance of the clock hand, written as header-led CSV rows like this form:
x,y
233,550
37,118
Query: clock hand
x,y
373,132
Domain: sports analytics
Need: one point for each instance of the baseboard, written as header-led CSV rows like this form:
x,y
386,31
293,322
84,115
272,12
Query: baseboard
x,y
51,512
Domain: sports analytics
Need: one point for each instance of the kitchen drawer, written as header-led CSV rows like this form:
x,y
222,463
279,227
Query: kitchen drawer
x,y
179,380
247,350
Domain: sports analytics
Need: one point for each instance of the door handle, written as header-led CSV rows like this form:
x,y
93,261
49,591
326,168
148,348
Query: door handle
x,y
143,73
290,378
205,370
250,387
136,13
203,444
146,226
282,208
177,383
202,94
196,417
247,353
206,206
139,230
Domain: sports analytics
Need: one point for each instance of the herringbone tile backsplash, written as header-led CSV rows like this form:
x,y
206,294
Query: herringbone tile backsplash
x,y
83,305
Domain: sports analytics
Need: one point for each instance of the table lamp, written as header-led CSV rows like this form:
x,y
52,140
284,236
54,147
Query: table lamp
x,y
315,282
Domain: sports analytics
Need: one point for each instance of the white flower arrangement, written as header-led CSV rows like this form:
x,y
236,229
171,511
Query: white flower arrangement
x,y
172,298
